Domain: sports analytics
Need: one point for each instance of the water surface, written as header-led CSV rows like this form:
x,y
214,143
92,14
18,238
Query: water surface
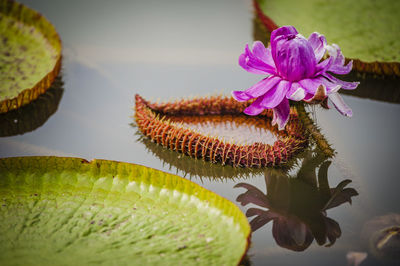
x,y
113,50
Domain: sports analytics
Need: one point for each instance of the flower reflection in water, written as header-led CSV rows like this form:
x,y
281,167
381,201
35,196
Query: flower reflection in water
x,y
297,205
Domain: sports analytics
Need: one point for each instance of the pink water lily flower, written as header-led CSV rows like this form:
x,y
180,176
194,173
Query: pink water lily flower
x,y
295,71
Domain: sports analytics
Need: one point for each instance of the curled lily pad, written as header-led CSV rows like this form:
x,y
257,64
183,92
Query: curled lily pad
x,y
70,211
30,55
199,128
33,115
367,31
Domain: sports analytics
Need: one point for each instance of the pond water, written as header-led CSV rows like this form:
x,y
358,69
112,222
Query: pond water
x,y
114,50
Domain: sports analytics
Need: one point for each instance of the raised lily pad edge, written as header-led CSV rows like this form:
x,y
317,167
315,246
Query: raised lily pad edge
x,y
30,17
152,123
130,171
378,68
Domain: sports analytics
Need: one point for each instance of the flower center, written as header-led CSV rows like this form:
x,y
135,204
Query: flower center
x,y
294,57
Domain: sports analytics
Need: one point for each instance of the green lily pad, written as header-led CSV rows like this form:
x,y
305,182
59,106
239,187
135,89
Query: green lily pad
x,y
30,55
67,211
366,30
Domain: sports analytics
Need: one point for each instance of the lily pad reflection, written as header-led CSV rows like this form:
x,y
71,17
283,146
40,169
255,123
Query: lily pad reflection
x,y
297,205
385,89
382,237
33,115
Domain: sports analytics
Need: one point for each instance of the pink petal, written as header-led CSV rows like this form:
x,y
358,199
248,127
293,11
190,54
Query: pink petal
x,y
341,69
319,95
318,43
335,62
331,87
257,90
269,59
244,63
278,34
294,58
296,92
255,108
310,85
259,49
308,96
281,114
241,96
340,105
282,31
337,66
343,84
323,66
263,53
254,64
293,88
275,95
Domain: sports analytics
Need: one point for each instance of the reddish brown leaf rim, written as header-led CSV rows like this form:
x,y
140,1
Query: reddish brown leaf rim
x,y
152,120
31,17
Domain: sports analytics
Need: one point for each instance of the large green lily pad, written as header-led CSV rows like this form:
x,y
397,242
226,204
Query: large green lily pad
x,y
30,55
365,30
67,211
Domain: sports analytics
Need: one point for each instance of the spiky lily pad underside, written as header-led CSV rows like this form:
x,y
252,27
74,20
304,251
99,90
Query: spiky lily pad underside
x,y
68,211
367,31
30,55
189,168
166,124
